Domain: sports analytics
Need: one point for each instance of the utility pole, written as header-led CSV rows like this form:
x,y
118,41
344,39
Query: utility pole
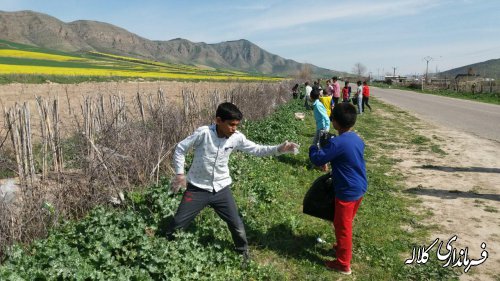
x,y
427,59
394,71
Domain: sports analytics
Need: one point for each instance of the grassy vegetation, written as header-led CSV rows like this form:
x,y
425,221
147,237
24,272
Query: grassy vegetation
x,y
127,243
27,64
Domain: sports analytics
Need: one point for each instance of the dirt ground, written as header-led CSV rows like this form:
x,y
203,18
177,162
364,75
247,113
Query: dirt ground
x,y
461,189
16,92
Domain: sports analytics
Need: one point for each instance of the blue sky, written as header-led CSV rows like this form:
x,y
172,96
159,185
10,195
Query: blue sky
x,y
332,34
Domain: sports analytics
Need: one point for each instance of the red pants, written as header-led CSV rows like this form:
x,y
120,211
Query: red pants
x,y
345,211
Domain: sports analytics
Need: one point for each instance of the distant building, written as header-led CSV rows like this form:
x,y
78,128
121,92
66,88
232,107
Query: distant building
x,y
395,79
466,77
354,78
474,83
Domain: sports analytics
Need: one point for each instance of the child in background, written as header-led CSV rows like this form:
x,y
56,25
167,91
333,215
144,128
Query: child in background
x,y
208,181
346,94
350,90
307,98
336,90
326,100
329,88
345,154
366,96
295,91
359,97
322,121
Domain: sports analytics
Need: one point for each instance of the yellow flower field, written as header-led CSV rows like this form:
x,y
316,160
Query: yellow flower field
x,y
156,63
36,55
69,71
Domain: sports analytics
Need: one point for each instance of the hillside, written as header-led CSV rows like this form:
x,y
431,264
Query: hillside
x,y
41,30
28,64
487,69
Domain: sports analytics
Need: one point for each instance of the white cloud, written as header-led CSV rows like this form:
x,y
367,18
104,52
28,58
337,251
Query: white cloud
x,y
279,18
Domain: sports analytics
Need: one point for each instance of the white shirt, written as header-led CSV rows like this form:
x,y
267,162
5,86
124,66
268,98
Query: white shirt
x,y
308,91
209,169
359,92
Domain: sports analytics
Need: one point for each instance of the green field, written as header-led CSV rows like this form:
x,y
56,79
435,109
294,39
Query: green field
x,y
28,64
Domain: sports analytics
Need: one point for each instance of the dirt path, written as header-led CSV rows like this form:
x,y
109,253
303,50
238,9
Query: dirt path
x,y
461,189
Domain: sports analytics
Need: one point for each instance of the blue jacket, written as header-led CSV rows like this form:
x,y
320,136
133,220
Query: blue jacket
x,y
345,153
320,115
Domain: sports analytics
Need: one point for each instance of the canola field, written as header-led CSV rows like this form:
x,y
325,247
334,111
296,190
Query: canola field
x,y
19,59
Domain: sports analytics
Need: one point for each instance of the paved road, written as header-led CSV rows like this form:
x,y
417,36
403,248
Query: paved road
x,y
473,117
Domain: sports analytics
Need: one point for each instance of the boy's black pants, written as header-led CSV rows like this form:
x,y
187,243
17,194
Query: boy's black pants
x,y
196,199
365,101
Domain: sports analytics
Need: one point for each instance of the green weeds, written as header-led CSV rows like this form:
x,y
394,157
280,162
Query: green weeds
x,y
128,243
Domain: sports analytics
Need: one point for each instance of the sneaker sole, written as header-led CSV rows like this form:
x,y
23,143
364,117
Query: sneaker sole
x,y
339,271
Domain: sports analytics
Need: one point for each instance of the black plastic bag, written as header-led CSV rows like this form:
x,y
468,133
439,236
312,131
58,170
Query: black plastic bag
x,y
324,138
319,199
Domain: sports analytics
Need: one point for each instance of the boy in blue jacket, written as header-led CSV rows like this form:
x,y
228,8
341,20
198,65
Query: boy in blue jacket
x,y
345,154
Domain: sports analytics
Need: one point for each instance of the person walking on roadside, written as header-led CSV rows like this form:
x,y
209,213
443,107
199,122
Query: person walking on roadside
x,y
366,96
208,181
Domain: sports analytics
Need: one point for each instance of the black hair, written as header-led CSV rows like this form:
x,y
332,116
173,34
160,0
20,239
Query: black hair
x,y
315,94
228,111
359,82
345,115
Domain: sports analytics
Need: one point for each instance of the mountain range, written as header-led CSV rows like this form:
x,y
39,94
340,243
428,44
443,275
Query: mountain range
x,y
41,30
486,69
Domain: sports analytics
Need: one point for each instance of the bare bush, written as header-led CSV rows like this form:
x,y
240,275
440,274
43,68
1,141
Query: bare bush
x,y
37,208
359,69
305,73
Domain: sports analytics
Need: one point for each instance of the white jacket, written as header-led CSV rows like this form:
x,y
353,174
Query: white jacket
x,y
209,169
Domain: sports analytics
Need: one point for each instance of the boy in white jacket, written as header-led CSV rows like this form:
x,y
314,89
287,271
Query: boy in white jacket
x,y
208,181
